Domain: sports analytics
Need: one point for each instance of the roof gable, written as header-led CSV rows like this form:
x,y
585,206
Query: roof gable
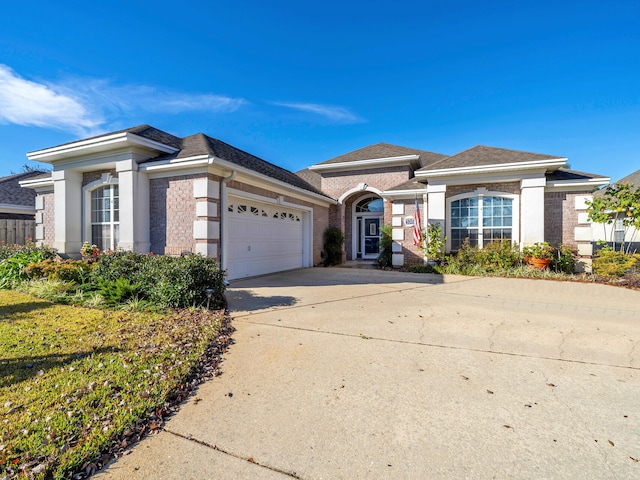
x,y
481,155
384,150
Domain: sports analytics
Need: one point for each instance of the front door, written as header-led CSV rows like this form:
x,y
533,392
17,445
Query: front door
x,y
370,237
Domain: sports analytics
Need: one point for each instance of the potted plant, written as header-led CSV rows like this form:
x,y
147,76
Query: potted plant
x,y
432,243
89,251
538,255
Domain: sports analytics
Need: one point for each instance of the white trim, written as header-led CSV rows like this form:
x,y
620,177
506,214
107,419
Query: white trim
x,y
364,164
398,194
99,143
575,184
551,164
106,179
165,169
355,234
481,191
20,209
362,187
37,183
307,219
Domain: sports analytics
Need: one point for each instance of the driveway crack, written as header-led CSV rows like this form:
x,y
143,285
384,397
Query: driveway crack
x,y
235,455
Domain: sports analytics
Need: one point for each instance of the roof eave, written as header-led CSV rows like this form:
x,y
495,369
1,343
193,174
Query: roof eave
x,y
210,160
409,193
572,184
548,165
37,183
362,164
99,144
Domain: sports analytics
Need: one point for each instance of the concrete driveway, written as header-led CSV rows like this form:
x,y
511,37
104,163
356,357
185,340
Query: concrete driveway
x,y
361,374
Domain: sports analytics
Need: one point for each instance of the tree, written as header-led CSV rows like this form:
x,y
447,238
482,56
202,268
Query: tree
x,y
619,202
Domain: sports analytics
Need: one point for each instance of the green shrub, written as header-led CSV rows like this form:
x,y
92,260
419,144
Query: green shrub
x,y
423,268
385,255
612,263
333,239
117,291
76,271
162,280
499,255
564,259
15,258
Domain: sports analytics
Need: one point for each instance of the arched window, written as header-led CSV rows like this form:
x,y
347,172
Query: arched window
x,y
105,217
482,219
371,204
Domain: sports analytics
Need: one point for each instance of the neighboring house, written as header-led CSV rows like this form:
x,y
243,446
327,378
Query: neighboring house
x,y
146,190
17,202
17,209
615,233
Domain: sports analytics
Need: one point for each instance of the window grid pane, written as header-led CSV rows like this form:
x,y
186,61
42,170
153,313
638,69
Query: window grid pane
x,y
105,215
466,216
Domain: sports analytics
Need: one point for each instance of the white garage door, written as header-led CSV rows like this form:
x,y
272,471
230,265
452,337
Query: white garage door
x,y
262,238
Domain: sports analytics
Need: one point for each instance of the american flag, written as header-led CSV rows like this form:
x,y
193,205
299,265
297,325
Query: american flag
x,y
417,232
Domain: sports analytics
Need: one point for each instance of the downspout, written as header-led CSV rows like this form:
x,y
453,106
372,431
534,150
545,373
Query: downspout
x,y
224,204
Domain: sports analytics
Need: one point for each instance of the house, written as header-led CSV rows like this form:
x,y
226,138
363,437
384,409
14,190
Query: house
x,y
146,190
16,202
483,194
17,225
616,234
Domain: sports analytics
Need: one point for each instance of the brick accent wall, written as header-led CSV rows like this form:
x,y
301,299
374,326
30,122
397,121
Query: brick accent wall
x,y
561,217
48,219
412,254
172,210
335,184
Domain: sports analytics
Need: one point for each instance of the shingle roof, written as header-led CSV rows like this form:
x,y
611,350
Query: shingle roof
x,y
12,193
143,130
565,174
633,178
412,184
481,155
385,150
200,144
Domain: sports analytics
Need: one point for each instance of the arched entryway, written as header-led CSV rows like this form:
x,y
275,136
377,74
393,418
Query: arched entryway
x,y
367,215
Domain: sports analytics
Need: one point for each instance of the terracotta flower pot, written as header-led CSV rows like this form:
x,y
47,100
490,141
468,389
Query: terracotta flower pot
x,y
539,263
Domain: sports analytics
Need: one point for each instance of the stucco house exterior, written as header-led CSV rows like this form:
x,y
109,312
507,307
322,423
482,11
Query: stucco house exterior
x,y
146,190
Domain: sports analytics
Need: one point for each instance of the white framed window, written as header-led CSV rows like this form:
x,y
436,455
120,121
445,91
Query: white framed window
x,y
105,217
101,207
482,218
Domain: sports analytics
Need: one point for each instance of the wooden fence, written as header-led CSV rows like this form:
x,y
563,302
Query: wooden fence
x,y
16,231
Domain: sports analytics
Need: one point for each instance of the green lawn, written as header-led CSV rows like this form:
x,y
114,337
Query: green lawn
x,y
77,382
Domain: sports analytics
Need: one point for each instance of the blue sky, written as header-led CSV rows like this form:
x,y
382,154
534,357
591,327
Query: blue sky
x,y
297,83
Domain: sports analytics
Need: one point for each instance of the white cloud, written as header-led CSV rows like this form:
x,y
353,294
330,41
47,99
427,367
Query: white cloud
x,y
85,106
337,114
24,102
